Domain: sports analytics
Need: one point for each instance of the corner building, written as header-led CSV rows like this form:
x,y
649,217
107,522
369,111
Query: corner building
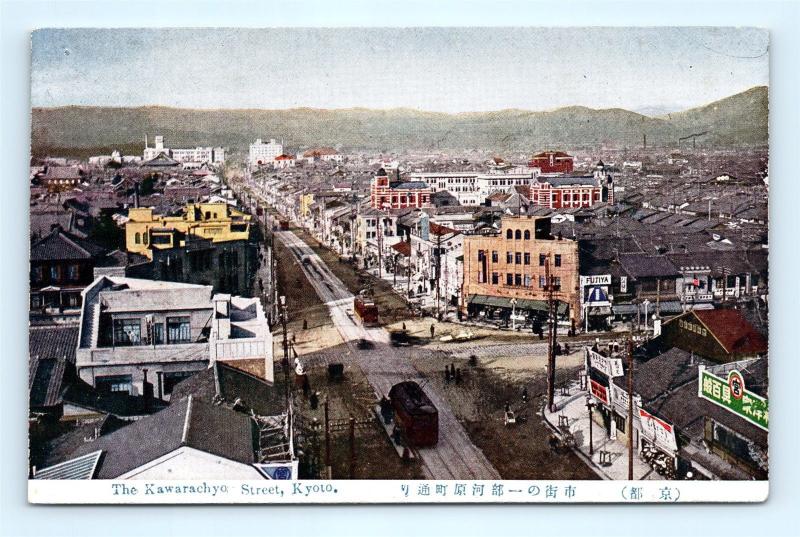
x,y
512,265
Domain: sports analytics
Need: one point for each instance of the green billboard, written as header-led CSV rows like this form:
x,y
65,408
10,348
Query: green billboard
x,y
732,395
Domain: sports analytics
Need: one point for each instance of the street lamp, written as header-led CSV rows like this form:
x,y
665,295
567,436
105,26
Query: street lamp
x,y
589,406
513,302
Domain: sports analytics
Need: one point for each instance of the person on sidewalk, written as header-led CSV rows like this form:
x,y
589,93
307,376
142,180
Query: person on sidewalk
x,y
433,330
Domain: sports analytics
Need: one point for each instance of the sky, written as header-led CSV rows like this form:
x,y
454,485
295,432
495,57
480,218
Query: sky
x,y
433,69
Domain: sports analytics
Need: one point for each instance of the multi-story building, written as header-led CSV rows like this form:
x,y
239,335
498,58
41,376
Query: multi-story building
x,y
210,155
140,335
218,222
262,154
62,265
569,192
398,195
506,273
462,185
552,162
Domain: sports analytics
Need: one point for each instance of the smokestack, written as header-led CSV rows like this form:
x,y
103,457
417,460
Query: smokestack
x,y
644,141
145,141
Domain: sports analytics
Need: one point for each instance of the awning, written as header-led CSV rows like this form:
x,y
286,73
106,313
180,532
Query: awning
x,y
523,304
668,307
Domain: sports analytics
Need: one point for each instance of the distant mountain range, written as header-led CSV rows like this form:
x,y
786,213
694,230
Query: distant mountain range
x,y
738,120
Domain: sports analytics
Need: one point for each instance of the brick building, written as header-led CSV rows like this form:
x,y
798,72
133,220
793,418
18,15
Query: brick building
x,y
552,162
512,265
568,191
398,195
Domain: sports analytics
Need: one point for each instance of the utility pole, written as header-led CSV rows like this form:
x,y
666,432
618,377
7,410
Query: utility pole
x,y
285,362
630,409
352,447
327,437
438,272
551,337
380,247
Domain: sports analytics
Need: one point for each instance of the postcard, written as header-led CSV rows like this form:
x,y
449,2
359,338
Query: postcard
x,y
399,265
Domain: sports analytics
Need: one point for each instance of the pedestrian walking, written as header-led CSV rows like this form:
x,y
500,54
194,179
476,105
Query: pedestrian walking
x,y
525,394
433,330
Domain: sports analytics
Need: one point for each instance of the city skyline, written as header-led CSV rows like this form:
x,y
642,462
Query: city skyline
x,y
647,70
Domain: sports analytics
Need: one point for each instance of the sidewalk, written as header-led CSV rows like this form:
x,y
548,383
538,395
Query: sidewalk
x,y
573,406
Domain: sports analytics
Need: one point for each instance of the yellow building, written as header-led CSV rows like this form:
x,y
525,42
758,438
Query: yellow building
x,y
217,222
306,200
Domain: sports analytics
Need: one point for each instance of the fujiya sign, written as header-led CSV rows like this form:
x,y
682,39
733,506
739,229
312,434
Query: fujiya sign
x,y
610,366
658,431
732,395
603,279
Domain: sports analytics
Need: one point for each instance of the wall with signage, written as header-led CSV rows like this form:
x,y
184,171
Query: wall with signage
x,y
689,334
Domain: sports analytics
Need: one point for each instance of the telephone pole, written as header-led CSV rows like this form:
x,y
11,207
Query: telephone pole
x,y
630,409
285,362
551,337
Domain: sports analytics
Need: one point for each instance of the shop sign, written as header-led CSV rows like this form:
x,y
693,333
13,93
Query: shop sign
x,y
599,391
603,279
732,395
612,367
657,431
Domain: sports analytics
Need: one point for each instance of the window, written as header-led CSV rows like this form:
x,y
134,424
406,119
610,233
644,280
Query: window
x,y
527,258
517,234
517,258
55,273
542,282
557,283
542,259
73,272
137,238
127,332
37,274
495,257
73,300
114,384
527,235
495,278
558,260
527,280
509,234
179,330
509,258
480,255
172,379
518,280
509,279
145,237
620,422
158,334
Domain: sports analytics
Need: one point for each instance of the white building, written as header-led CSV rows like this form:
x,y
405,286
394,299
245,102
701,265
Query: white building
x,y
264,153
210,155
472,188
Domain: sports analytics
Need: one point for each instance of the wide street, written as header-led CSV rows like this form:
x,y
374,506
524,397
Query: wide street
x,y
455,456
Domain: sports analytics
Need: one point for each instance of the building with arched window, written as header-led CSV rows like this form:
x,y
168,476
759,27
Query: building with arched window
x,y
513,266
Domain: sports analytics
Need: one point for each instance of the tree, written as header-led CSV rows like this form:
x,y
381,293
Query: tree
x,y
107,233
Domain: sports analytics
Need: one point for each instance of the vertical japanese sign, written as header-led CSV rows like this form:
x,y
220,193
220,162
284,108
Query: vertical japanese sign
x,y
732,395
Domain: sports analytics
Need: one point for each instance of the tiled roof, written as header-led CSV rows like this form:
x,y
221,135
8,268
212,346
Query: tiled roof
x,y
61,245
53,342
439,230
403,247
732,331
83,467
188,422
232,384
64,172
647,266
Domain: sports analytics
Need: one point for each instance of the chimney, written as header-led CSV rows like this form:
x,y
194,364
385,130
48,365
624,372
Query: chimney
x,y
147,392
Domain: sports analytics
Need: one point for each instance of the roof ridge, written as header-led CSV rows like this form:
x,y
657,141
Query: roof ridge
x,y
185,434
